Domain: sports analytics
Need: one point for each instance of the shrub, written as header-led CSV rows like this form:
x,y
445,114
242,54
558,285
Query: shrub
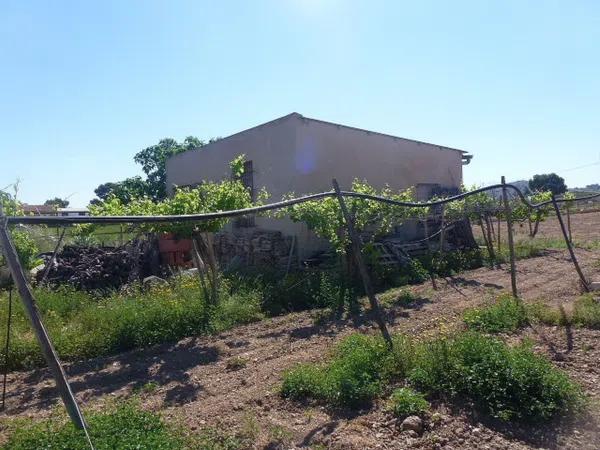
x,y
507,383
26,247
296,291
127,427
352,378
407,402
506,314
451,262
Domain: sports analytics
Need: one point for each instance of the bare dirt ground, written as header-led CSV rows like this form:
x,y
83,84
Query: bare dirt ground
x,y
230,381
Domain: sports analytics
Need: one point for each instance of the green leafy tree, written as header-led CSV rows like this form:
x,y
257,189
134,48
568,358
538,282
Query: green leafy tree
x,y
205,198
521,212
478,208
57,202
370,218
153,160
126,190
548,182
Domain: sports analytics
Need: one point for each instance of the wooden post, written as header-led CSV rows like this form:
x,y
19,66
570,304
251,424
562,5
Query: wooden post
x,y
569,246
289,261
488,244
64,389
499,235
511,244
568,209
6,347
426,229
442,228
354,240
53,258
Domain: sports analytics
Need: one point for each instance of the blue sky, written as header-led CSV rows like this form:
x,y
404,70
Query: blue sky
x,y
85,85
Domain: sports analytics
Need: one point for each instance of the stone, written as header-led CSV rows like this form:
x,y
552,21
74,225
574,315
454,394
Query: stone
x,y
193,272
595,286
414,423
153,280
34,272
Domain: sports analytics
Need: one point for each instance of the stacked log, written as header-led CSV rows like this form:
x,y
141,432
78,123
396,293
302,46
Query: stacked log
x,y
93,268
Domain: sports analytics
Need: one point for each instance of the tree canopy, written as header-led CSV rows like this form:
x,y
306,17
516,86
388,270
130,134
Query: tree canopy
x,y
57,202
153,161
125,191
548,182
324,217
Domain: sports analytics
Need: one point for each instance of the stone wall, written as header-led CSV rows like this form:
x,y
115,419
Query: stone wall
x,y
254,247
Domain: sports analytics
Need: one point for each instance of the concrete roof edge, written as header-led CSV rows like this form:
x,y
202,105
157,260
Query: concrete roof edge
x,y
300,116
270,122
382,134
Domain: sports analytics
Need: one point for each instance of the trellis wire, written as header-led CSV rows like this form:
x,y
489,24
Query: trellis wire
x,y
16,268
48,220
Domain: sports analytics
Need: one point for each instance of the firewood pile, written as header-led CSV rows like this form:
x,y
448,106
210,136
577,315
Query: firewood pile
x,y
102,268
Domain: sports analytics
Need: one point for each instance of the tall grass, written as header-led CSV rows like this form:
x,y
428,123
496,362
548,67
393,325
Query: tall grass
x,y
585,313
538,246
82,326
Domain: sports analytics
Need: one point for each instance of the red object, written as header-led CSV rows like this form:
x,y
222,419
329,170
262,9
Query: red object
x,y
175,252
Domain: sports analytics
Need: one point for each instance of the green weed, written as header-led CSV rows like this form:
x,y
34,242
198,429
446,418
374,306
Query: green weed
x,y
586,312
509,383
545,314
353,377
83,326
127,427
236,363
407,402
506,314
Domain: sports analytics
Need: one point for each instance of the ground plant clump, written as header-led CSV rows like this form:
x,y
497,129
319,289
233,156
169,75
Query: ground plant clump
x,y
124,427
508,383
585,313
506,314
352,378
407,402
83,326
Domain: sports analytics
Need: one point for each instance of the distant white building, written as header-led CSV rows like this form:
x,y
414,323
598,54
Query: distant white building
x,y
72,212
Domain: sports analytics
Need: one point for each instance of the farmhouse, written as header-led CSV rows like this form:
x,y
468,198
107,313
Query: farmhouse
x,y
301,155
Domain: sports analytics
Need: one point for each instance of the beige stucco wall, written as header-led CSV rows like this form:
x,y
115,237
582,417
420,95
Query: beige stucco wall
x,y
299,155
